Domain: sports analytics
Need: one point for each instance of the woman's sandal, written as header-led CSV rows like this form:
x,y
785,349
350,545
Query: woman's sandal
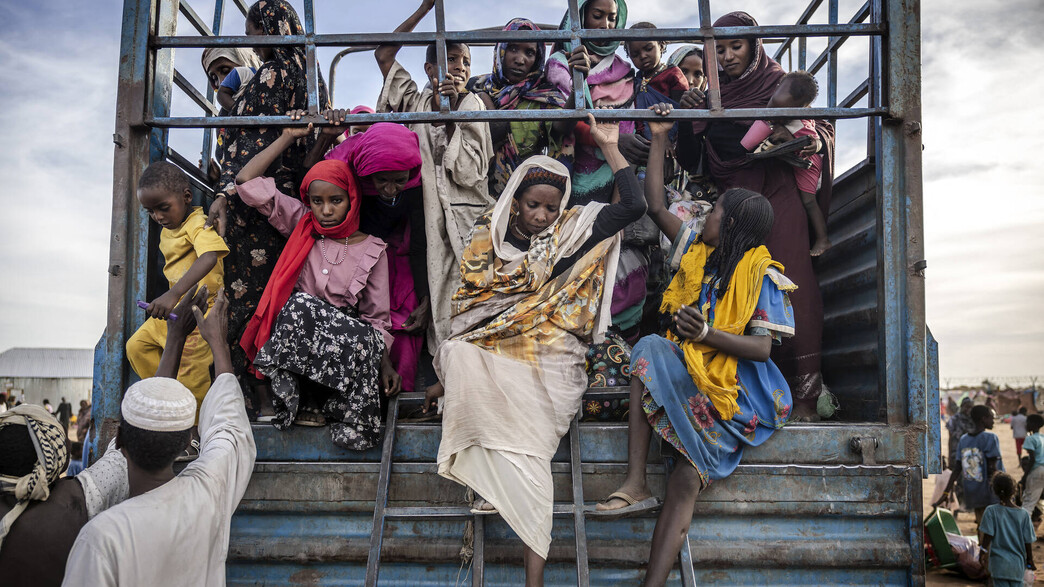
x,y
634,507
482,507
310,417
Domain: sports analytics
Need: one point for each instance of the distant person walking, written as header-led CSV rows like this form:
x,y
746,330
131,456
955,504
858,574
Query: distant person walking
x,y
64,415
83,420
1018,429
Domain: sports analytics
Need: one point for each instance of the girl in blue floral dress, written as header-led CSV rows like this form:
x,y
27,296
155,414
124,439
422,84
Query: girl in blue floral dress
x,y
709,388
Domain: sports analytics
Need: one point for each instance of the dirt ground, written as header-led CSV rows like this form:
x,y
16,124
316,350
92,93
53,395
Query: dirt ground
x,y
966,521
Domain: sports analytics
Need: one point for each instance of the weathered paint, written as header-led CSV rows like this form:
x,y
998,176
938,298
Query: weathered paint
x,y
800,510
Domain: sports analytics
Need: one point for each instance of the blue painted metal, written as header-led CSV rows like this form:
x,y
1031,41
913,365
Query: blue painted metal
x,y
933,440
308,514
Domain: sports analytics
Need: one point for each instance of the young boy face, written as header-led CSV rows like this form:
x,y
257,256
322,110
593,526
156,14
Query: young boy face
x,y
458,60
167,208
645,55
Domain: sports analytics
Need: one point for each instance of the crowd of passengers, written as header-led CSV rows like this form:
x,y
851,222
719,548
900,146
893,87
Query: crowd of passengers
x,y
502,268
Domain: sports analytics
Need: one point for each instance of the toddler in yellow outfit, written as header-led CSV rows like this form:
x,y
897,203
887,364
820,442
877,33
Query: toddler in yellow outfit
x,y
192,255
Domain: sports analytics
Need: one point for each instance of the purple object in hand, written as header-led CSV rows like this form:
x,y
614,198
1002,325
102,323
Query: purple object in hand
x,y
145,306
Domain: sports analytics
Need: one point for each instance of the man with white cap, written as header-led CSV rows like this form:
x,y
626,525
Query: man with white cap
x,y
174,529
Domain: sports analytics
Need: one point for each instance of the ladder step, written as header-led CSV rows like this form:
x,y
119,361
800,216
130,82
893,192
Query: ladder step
x,y
452,512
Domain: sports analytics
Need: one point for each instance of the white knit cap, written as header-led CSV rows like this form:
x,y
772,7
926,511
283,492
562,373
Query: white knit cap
x,y
159,404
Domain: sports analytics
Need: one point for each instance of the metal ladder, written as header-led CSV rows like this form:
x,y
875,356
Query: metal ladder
x,y
382,512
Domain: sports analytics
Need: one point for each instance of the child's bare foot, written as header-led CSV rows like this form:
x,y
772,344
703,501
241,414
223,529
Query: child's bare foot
x,y
822,245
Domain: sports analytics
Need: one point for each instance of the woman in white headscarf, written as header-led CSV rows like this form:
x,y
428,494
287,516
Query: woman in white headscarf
x,y
534,296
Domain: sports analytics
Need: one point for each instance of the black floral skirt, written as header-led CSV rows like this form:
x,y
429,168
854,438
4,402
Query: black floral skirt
x,y
315,342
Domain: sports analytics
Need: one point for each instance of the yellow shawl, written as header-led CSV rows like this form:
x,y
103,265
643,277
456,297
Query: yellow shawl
x,y
714,372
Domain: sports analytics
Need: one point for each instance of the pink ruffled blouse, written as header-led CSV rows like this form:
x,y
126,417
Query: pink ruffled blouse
x,y
360,280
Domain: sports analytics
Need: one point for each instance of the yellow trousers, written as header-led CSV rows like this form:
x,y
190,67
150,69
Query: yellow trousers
x,y
145,348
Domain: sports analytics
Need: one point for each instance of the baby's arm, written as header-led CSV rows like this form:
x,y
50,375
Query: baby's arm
x,y
162,306
385,54
259,163
225,97
668,223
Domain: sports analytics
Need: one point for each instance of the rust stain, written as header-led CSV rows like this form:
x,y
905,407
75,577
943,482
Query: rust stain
x,y
306,577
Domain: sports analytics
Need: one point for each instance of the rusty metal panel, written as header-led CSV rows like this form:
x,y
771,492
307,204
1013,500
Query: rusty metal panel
x,y
762,525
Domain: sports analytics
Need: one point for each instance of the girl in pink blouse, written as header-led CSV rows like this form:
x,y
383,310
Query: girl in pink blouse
x,y
321,330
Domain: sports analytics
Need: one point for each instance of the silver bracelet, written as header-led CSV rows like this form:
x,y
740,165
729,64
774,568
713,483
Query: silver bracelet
x,y
703,333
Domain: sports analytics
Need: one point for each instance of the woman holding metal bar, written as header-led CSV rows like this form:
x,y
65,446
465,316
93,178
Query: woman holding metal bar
x,y
536,292
749,78
517,82
609,82
278,87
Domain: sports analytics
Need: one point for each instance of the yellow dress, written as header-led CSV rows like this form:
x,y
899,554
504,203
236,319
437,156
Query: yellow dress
x,y
181,248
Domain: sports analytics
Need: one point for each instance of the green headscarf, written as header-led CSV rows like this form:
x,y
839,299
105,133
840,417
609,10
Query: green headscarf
x,y
603,50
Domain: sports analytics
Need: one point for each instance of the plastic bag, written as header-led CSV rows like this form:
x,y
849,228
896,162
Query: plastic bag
x,y
967,550
1029,578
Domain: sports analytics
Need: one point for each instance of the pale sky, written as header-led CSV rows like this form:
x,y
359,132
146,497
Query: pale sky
x,y
984,190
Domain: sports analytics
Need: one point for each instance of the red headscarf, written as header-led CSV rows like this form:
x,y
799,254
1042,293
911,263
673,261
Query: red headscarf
x,y
288,268
384,147
754,87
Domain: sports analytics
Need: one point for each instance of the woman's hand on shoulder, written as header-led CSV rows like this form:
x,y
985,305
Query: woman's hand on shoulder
x,y
688,322
661,127
604,132
580,60
693,98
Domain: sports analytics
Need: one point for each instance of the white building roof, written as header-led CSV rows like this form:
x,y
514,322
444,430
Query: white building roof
x,y
47,363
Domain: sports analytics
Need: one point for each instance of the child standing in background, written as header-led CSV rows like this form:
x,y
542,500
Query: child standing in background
x,y
1007,536
455,157
798,89
979,458
192,255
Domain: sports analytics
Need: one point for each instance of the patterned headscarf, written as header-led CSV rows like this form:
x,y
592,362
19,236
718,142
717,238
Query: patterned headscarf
x,y
240,56
607,49
279,18
534,87
52,458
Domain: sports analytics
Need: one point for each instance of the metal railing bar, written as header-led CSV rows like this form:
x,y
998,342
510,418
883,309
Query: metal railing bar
x,y
311,64
835,42
195,175
425,38
579,95
710,47
208,135
194,19
832,45
242,5
200,100
510,115
803,19
857,94
441,64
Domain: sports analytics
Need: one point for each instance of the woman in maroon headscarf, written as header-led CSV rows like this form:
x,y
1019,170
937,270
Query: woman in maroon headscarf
x,y
748,79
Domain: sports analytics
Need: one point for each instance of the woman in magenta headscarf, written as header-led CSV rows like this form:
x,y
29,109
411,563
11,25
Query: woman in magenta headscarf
x,y
748,79
386,159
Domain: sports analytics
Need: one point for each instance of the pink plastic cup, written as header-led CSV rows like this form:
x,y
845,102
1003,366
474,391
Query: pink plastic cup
x,y
759,131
